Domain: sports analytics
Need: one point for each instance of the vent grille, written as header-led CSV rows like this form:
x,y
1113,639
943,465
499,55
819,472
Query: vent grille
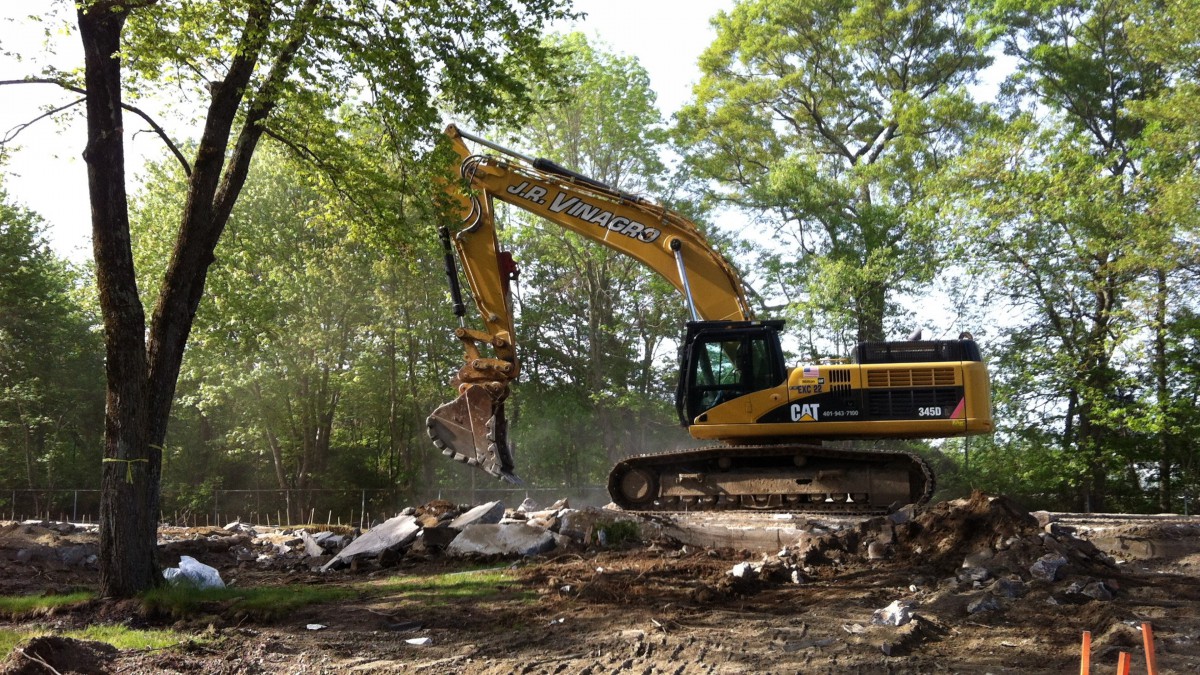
x,y
899,404
910,377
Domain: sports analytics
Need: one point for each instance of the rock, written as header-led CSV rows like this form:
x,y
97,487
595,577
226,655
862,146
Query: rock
x,y
1068,598
438,537
896,614
61,528
903,515
1009,587
546,522
74,556
745,570
876,550
528,506
409,511
484,514
973,574
583,525
1044,518
394,533
1053,545
34,553
516,539
987,603
1047,567
1098,590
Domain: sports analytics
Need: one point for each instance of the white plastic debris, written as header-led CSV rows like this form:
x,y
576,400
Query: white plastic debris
x,y
420,642
316,626
192,572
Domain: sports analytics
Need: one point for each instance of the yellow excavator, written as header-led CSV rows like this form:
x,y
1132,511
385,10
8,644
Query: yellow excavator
x,y
772,424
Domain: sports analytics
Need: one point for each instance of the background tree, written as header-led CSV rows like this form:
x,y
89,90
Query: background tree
x,y
826,119
278,67
315,363
50,363
1169,36
1056,213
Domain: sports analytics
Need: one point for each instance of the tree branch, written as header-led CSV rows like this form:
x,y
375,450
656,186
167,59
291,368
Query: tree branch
x,y
16,131
187,169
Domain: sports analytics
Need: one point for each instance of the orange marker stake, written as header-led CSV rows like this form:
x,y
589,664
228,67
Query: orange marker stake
x,y
1148,641
1085,657
1123,664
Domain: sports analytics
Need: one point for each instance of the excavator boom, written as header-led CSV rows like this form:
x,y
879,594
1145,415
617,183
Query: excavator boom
x,y
472,428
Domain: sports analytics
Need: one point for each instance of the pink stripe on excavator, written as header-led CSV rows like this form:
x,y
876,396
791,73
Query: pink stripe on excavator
x,y
958,410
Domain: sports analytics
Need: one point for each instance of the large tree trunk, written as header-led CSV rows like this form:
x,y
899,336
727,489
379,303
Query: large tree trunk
x,y
871,306
129,495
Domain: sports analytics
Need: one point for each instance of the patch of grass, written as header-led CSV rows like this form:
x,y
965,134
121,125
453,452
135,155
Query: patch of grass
x,y
9,639
128,638
265,602
439,589
17,606
115,635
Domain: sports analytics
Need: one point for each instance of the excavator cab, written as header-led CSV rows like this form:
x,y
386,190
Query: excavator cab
x,y
723,360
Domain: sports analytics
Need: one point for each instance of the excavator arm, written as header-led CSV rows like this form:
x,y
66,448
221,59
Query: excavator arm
x,y
472,428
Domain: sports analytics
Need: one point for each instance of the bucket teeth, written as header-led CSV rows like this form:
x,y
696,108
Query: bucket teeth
x,y
472,429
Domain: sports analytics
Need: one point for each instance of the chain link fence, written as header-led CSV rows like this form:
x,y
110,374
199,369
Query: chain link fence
x,y
357,507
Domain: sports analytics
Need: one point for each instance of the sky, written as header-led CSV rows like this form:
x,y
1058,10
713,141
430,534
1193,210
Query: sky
x,y
47,175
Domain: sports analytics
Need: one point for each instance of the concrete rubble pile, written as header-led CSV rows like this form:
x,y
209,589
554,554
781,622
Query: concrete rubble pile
x,y
969,557
438,528
50,544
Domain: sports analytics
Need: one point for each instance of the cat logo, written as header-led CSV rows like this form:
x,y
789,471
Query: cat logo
x,y
807,412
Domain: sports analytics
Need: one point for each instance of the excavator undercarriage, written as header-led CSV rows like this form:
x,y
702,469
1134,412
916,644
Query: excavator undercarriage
x,y
791,477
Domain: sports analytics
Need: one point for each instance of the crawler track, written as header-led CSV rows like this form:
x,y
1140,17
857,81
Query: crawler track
x,y
792,477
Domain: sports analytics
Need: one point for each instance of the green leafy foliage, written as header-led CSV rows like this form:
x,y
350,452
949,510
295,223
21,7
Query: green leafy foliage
x,y
1059,213
828,118
50,362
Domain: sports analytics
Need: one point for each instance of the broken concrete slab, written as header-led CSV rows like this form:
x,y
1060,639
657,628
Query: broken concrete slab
x,y
484,514
393,533
311,546
495,539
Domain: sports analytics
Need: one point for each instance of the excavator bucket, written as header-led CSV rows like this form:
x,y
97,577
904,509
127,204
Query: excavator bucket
x,y
472,429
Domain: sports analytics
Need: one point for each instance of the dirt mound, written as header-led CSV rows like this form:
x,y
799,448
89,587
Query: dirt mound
x,y
58,654
949,531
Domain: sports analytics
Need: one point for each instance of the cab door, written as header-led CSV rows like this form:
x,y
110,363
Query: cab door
x,y
727,361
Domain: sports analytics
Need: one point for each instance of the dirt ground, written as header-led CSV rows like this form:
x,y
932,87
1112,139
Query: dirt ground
x,y
659,607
